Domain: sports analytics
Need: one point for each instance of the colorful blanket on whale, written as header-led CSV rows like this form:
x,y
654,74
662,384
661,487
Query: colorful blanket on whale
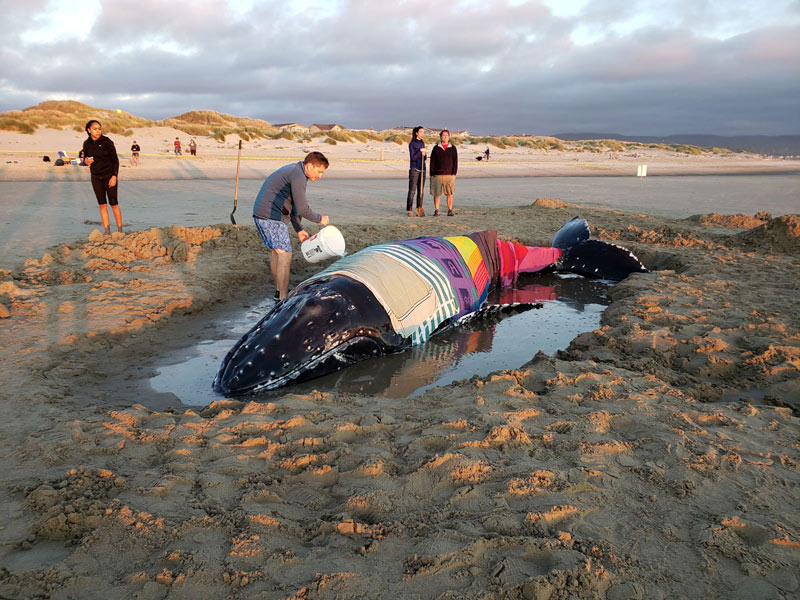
x,y
425,281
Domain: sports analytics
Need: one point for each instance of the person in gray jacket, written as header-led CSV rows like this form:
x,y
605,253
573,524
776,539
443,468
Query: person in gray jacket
x,y
283,197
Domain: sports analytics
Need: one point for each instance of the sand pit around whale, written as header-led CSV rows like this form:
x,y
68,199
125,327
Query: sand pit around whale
x,y
656,457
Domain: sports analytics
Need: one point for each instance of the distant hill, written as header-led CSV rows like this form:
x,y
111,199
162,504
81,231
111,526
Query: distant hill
x,y
218,125
56,114
774,145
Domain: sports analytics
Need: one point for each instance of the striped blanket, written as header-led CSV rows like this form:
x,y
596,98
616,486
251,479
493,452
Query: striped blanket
x,y
423,282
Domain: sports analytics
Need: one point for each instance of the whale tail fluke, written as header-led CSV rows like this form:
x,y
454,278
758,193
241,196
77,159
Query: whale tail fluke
x,y
594,258
574,231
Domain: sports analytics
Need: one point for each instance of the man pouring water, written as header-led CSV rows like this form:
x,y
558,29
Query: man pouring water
x,y
282,198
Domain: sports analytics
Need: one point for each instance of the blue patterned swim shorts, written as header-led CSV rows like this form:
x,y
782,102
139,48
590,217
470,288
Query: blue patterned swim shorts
x,y
274,234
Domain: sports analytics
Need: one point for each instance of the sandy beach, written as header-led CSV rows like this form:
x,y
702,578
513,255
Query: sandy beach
x,y
656,457
21,159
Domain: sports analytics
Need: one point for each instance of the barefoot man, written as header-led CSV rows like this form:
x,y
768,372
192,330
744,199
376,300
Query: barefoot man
x,y
283,197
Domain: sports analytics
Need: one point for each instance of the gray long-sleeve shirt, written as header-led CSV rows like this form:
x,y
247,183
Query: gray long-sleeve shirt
x,y
284,193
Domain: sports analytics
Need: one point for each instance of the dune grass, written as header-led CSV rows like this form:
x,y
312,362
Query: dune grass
x,y
219,125
398,138
687,149
338,136
12,124
59,114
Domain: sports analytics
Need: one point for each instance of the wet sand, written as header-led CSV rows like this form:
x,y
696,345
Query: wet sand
x,y
656,457
36,215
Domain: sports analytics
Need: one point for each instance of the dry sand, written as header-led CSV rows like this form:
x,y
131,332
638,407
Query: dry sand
x,y
657,457
21,159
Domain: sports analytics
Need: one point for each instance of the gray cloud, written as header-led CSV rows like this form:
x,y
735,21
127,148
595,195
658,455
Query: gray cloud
x,y
491,67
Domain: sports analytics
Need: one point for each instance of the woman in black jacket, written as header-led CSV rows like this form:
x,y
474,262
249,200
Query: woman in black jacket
x,y
101,156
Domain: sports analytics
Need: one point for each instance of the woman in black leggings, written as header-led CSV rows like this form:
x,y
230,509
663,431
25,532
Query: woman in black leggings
x,y
101,156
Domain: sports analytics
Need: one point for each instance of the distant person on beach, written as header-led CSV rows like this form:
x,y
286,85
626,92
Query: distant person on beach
x,y
444,166
487,153
416,169
282,198
135,154
192,147
177,144
101,156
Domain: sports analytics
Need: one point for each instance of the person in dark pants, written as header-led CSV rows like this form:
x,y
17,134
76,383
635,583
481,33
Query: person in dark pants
x,y
101,156
487,153
416,151
135,149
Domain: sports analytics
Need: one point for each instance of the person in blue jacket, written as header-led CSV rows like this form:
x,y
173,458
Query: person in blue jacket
x,y
416,169
283,197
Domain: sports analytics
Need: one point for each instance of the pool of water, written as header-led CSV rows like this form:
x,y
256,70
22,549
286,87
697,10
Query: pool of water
x,y
570,305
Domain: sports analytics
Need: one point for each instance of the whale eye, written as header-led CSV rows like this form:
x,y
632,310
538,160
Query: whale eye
x,y
310,324
283,356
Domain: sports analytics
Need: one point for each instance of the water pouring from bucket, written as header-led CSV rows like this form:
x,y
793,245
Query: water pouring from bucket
x,y
328,242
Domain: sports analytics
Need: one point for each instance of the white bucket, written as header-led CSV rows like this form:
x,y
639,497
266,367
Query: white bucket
x,y
326,243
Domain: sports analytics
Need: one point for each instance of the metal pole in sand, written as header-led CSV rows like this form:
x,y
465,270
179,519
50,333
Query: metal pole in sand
x,y
236,189
420,211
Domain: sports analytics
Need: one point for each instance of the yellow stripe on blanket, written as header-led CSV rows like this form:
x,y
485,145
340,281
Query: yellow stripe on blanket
x,y
469,251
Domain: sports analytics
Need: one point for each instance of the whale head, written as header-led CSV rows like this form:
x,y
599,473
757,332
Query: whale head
x,y
320,328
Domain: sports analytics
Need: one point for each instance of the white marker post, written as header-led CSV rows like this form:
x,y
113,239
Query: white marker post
x,y
641,171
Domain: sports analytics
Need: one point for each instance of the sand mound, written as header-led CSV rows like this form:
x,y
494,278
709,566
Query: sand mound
x,y
778,235
737,221
549,203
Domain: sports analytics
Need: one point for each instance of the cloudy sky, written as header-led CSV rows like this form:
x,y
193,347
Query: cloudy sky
x,y
638,67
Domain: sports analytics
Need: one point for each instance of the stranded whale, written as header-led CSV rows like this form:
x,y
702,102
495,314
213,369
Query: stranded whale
x,y
388,297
